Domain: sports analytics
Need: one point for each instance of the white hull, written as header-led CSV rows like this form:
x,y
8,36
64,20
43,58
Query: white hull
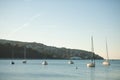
x,y
44,63
70,62
106,63
91,65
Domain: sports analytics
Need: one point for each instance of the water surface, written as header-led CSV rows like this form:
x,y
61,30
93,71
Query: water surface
x,y
58,70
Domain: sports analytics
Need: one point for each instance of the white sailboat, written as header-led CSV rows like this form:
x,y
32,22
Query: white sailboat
x,y
44,63
106,62
92,63
12,62
24,61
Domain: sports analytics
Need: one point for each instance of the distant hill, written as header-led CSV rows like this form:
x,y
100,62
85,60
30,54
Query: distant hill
x,y
40,51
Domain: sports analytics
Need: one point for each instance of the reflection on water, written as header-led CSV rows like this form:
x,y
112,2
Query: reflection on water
x,y
57,69
106,72
92,73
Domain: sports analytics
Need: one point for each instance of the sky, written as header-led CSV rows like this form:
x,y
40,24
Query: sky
x,y
63,23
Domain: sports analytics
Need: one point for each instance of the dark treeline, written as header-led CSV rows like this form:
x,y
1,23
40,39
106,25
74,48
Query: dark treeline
x,y
39,51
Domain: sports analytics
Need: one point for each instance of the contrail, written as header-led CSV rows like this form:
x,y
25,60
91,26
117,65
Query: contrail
x,y
23,26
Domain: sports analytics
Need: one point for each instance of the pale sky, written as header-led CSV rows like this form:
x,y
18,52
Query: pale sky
x,y
63,23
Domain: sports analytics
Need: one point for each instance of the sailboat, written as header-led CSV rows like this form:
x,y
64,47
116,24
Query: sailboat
x,y
106,62
24,61
12,62
92,63
70,62
44,63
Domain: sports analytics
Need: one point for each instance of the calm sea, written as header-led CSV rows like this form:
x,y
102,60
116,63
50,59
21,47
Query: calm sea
x,y
58,70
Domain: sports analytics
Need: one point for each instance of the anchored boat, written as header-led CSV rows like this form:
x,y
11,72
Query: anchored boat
x,y
106,61
92,63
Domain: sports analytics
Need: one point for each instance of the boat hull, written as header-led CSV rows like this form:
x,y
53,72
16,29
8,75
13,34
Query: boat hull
x,y
70,62
24,62
91,65
106,63
12,62
44,63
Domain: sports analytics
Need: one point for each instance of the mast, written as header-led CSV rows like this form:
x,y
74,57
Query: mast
x,y
92,50
12,62
12,53
24,53
107,51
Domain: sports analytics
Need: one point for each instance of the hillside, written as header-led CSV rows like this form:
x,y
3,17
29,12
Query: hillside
x,y
39,51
